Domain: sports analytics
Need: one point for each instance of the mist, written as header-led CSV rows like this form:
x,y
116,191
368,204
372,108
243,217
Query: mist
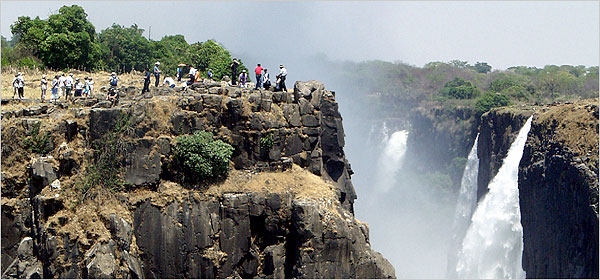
x,y
409,221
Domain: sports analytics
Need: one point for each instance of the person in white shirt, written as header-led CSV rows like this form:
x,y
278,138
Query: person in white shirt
x,y
192,75
68,86
20,82
282,75
91,84
61,85
169,82
44,87
78,88
265,79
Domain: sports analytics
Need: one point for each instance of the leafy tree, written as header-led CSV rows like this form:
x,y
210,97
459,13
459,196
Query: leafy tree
x,y
459,89
482,67
171,51
124,48
66,39
213,55
490,100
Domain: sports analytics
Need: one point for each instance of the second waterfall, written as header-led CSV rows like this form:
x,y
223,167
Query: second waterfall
x,y
493,245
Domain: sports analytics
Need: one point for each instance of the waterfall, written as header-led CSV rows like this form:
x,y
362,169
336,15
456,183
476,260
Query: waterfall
x,y
493,245
467,200
390,160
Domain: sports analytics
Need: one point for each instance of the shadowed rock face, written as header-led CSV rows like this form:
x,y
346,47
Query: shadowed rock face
x,y
253,235
558,194
201,234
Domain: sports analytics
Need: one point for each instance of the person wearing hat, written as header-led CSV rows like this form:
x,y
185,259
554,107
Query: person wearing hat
x,y
20,84
78,88
44,87
281,77
114,80
91,84
55,86
68,86
243,78
61,84
156,73
234,67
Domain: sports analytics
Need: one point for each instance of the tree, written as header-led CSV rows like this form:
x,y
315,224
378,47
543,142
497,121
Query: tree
x,y
171,51
490,100
459,89
482,67
125,49
66,39
211,54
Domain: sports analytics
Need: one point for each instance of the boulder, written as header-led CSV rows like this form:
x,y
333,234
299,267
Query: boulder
x,y
42,172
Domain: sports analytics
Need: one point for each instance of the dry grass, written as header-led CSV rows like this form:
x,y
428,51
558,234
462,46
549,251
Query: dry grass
x,y
576,126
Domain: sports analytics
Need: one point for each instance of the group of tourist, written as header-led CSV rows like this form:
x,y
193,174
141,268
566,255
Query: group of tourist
x,y
262,77
73,87
61,85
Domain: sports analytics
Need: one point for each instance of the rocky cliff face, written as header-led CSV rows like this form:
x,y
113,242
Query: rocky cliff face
x,y
558,193
284,211
497,130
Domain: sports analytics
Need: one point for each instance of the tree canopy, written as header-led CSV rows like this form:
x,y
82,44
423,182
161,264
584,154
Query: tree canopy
x,y
69,40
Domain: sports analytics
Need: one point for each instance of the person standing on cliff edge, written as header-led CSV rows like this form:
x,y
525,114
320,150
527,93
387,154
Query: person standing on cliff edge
x,y
156,73
146,80
282,75
258,72
234,67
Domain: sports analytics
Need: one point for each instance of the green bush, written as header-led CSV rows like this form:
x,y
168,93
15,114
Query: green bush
x,y
34,142
459,89
267,141
201,157
490,100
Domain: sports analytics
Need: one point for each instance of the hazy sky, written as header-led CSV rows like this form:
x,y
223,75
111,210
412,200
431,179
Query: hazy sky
x,y
503,34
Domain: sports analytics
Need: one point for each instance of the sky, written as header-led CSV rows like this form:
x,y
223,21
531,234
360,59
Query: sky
x,y
503,34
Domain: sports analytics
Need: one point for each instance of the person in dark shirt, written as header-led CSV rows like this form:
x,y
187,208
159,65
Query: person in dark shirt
x,y
234,67
146,81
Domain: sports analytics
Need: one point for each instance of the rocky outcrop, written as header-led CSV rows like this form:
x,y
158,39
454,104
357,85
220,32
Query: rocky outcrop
x,y
295,222
558,193
253,235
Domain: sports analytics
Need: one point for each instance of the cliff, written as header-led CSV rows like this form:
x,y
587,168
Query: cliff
x,y
558,192
283,211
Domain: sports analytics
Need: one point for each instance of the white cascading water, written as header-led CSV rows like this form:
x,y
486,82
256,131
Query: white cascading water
x,y
493,245
465,205
390,160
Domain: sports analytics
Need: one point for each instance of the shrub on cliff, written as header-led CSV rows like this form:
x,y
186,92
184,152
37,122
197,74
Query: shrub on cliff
x,y
490,100
201,157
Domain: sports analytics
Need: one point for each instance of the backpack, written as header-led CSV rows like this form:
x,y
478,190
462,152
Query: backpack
x,y
113,81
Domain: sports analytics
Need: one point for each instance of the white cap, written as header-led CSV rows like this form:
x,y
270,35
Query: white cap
x,y
157,63
19,74
113,73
